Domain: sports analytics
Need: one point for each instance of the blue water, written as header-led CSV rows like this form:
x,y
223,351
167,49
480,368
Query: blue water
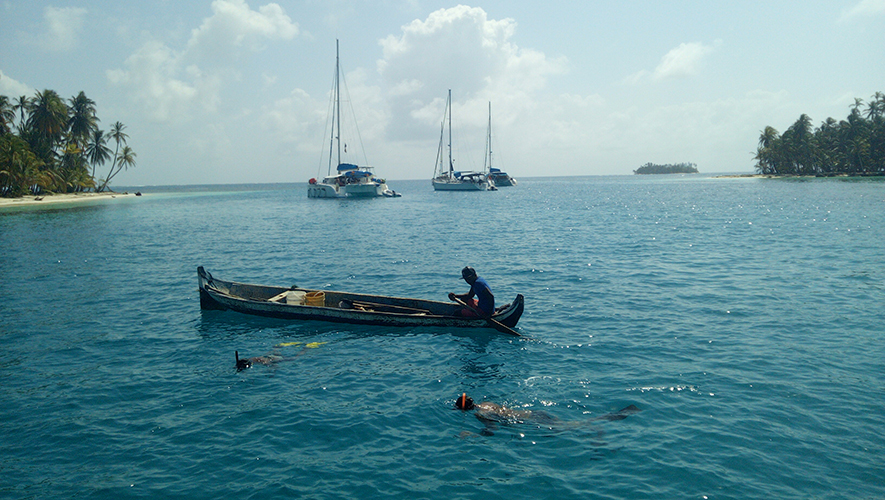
x,y
744,317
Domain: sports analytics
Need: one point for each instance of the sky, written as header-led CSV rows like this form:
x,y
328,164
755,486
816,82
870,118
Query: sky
x,y
237,91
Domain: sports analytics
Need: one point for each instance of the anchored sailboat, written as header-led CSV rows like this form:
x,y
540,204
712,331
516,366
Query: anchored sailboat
x,y
350,180
446,178
497,177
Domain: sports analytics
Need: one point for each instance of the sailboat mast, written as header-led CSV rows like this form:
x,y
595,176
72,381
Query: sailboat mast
x,y
451,166
338,100
336,121
489,138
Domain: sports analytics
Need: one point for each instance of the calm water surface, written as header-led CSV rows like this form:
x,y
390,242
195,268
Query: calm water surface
x,y
744,317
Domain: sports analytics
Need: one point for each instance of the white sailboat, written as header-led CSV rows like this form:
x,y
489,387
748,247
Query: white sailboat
x,y
446,178
349,180
497,177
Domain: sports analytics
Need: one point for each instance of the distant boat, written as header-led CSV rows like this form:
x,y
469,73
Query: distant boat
x,y
501,179
350,180
447,178
496,176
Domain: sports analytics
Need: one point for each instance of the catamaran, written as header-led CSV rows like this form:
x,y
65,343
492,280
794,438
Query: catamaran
x,y
448,179
496,175
349,180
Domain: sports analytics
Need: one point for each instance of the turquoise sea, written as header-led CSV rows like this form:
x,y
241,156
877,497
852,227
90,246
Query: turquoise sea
x,y
744,317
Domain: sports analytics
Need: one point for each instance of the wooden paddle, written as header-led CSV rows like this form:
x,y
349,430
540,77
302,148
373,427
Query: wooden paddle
x,y
497,325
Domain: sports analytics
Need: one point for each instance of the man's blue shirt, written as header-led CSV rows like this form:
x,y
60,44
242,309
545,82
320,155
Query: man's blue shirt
x,y
484,297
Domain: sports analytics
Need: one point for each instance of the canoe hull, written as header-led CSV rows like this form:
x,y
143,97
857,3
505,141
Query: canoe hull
x,y
379,310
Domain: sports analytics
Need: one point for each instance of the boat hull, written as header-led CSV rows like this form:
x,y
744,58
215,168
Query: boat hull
x,y
321,190
216,294
365,190
504,181
459,186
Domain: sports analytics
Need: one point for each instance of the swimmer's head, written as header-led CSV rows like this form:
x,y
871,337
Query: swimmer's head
x,y
242,364
464,402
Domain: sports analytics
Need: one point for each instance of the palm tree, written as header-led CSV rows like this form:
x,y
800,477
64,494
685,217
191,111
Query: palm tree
x,y
827,140
48,121
96,150
876,115
82,121
768,152
876,107
7,115
19,167
802,146
74,172
118,136
22,104
126,159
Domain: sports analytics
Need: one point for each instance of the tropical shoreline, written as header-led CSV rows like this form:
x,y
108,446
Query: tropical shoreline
x,y
52,199
798,176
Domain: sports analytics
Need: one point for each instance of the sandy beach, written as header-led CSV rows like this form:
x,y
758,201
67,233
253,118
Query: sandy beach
x,y
52,199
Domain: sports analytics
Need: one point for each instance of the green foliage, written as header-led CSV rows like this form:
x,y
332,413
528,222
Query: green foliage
x,y
678,168
7,115
54,143
854,146
19,166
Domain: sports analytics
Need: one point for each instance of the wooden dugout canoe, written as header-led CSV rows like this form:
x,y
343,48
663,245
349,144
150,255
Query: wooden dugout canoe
x,y
342,307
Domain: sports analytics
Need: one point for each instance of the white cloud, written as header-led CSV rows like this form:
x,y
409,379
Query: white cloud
x,y
682,61
293,117
173,85
63,27
234,26
461,49
13,88
864,8
406,87
157,81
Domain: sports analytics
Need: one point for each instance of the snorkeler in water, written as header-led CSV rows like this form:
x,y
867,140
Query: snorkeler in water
x,y
267,360
273,357
492,413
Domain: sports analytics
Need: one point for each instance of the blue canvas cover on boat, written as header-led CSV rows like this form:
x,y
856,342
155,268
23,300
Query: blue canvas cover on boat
x,y
346,166
357,173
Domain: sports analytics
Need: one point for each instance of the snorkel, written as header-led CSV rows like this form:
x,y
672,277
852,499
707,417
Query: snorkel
x,y
464,402
242,364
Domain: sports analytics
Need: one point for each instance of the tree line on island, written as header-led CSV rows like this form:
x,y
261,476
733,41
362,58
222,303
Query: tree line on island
x,y
48,145
678,168
853,146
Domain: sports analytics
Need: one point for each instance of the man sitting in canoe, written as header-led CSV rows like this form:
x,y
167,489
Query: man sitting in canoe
x,y
484,303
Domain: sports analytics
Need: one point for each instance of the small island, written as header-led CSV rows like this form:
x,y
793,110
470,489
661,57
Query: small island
x,y
678,168
854,146
49,145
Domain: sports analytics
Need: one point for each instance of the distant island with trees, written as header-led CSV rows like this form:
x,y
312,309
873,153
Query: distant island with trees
x,y
853,146
678,168
48,145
